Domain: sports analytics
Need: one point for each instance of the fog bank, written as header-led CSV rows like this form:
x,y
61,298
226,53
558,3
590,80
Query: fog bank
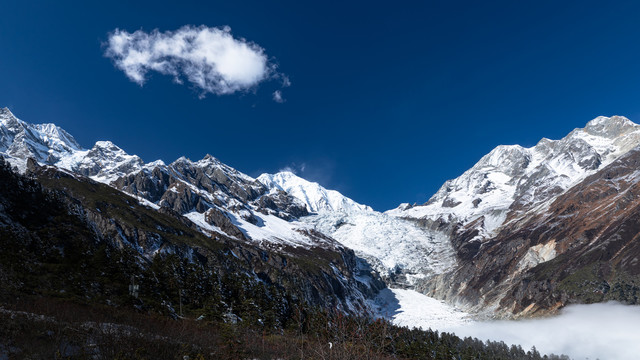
x,y
604,331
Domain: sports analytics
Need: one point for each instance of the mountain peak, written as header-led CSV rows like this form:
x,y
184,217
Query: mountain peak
x,y
316,197
8,119
5,110
287,174
53,133
47,143
513,178
105,144
209,160
610,127
182,159
108,147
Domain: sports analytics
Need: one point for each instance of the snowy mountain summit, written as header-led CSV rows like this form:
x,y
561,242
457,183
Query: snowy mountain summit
x,y
47,143
216,197
316,197
391,245
512,179
456,238
50,145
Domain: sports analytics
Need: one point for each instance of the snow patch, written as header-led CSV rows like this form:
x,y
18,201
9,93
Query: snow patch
x,y
198,219
275,230
415,310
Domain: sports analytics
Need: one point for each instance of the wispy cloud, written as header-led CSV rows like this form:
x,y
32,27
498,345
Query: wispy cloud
x,y
277,96
288,169
209,58
285,81
294,168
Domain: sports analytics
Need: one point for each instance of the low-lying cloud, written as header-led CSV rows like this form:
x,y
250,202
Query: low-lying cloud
x,y
603,331
209,58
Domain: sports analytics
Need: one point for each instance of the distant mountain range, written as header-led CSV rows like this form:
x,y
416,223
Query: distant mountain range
x,y
524,232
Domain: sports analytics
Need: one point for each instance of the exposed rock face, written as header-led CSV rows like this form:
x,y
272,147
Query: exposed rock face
x,y
582,247
215,202
219,219
398,249
151,183
101,214
523,232
210,187
282,205
513,180
184,186
105,162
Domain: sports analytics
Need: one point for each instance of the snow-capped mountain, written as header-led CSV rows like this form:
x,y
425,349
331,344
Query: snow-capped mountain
x,y
226,205
270,210
397,248
316,197
105,162
221,199
515,179
215,196
477,242
47,143
522,221
580,247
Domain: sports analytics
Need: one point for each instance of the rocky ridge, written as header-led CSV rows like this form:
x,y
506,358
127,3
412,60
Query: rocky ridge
x,y
511,179
509,221
486,241
499,239
218,201
214,195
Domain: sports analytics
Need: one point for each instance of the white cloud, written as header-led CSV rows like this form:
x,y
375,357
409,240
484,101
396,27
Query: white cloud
x,y
277,96
605,331
209,58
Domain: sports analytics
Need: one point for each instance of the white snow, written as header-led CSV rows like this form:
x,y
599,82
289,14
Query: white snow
x,y
44,142
395,243
488,183
210,163
146,202
535,175
51,145
388,240
410,308
106,162
274,230
389,243
316,197
198,219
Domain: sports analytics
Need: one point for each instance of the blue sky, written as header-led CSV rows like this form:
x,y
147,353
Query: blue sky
x,y
387,99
